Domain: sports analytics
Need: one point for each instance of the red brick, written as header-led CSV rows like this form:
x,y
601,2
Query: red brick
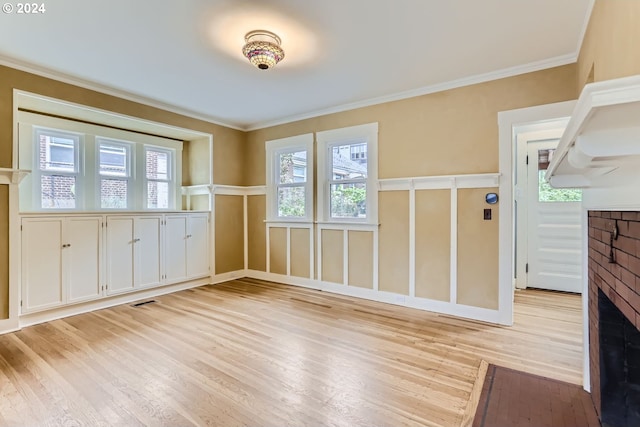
x,y
634,265
622,259
626,244
633,299
616,215
628,278
605,214
626,309
630,216
634,229
623,228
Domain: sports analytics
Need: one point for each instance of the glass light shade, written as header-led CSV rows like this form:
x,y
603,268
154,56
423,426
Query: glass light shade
x,y
263,49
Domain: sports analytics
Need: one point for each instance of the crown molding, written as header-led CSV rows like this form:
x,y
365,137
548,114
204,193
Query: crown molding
x,y
425,90
107,90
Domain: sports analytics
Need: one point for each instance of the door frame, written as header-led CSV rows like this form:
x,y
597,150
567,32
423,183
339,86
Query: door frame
x,y
508,122
534,132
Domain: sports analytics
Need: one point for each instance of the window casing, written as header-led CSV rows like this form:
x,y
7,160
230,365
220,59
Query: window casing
x,y
289,179
85,167
158,177
57,171
347,174
115,175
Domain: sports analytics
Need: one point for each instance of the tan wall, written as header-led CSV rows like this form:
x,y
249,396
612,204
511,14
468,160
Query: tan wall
x,y
361,259
300,252
450,132
332,256
433,244
4,251
393,270
256,214
228,147
229,233
278,250
477,250
611,43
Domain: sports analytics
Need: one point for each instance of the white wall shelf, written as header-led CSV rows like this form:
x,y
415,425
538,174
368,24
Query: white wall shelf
x,y
601,144
12,176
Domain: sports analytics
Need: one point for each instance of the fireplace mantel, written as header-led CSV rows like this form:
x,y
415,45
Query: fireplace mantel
x,y
601,144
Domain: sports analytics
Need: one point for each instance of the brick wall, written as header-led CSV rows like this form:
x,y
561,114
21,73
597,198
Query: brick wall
x,y
620,281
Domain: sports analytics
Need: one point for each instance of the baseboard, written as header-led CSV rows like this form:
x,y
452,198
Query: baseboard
x,y
75,309
441,307
225,277
9,325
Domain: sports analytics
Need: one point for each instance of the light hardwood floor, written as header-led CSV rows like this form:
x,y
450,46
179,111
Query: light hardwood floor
x,y
255,353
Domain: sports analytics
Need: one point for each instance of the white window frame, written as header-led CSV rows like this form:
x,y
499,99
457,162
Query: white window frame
x,y
171,174
350,135
129,178
38,173
87,189
274,149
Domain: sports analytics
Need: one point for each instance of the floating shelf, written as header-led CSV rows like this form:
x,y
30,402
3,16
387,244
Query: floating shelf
x,y
602,138
12,176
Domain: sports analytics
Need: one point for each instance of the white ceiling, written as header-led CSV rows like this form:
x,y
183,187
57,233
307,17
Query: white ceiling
x,y
339,53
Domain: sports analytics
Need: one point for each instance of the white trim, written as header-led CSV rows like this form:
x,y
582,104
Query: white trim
x,y
273,149
453,257
586,371
347,226
440,182
376,261
438,87
412,240
230,275
361,133
75,309
583,31
467,312
345,257
107,90
245,230
12,176
507,121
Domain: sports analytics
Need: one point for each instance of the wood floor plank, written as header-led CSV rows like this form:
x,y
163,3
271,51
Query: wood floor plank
x,y
249,352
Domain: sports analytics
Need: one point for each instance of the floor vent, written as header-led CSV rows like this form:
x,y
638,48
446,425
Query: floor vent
x,y
143,303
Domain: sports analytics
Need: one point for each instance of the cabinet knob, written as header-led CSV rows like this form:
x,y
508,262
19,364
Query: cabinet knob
x,y
136,240
66,245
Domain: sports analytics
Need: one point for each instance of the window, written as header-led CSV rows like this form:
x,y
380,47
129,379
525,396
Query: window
x,y
86,167
58,169
290,187
158,177
546,193
347,165
114,168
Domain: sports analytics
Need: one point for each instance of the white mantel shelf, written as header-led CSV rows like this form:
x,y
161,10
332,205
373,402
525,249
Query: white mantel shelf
x,y
12,176
601,144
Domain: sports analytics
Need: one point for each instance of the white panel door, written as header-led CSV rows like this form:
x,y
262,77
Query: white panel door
x,y
42,281
554,227
147,250
120,241
198,246
83,235
175,256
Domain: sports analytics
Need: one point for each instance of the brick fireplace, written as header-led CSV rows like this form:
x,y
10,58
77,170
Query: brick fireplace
x,y
614,316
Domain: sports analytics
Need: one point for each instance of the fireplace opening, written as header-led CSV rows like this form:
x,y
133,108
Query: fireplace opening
x,y
619,366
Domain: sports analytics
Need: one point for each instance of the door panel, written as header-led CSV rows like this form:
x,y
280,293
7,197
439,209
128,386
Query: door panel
x,y
197,246
176,248
42,264
554,227
147,250
83,257
120,254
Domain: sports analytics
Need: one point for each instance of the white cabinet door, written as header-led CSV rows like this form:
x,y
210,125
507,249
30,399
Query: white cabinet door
x,y
175,256
120,241
198,246
147,251
42,281
83,235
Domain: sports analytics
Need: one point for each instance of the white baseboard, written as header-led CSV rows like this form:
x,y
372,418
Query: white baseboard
x,y
457,310
9,325
72,310
225,277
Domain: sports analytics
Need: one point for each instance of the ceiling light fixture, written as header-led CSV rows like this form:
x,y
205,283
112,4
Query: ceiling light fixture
x,y
263,49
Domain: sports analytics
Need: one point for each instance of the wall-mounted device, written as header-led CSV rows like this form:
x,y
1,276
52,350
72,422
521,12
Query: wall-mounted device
x,y
491,198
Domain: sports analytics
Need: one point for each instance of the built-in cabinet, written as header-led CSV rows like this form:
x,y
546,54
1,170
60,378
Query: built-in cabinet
x,y
71,259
